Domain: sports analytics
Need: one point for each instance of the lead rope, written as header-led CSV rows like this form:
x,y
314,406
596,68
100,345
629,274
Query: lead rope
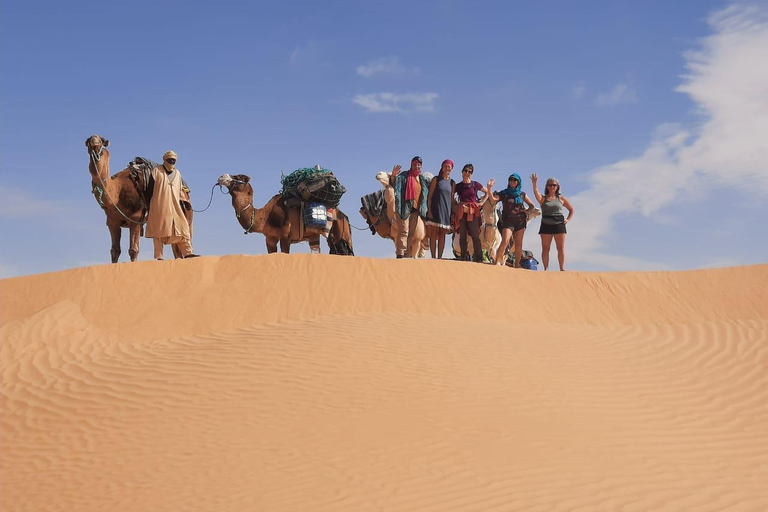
x,y
103,191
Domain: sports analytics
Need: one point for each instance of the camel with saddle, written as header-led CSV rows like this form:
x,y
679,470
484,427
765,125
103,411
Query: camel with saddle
x,y
378,210
124,197
282,222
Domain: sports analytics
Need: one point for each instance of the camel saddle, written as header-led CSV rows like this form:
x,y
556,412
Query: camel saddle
x,y
299,231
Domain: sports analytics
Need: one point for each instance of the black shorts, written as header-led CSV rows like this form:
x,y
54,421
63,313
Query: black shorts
x,y
552,229
513,223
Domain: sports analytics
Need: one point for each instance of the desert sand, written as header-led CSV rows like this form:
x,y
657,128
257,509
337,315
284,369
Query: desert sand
x,y
304,382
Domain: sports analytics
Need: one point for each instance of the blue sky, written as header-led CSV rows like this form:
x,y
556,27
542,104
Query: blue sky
x,y
653,115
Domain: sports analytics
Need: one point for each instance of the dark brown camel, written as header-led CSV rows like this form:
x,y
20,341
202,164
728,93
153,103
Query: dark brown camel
x,y
121,199
275,220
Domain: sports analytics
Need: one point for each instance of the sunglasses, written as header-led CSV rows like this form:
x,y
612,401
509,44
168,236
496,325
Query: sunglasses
x,y
170,160
551,184
467,170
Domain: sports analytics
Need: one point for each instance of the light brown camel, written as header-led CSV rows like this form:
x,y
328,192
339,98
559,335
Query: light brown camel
x,y
122,199
385,227
282,224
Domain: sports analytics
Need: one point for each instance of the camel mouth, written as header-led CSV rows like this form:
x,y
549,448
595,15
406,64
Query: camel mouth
x,y
225,180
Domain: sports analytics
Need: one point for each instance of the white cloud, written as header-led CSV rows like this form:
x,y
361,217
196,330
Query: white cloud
x,y
302,54
384,66
621,93
16,203
578,91
392,102
728,82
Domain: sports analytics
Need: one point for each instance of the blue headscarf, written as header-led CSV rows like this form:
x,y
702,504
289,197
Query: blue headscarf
x,y
517,192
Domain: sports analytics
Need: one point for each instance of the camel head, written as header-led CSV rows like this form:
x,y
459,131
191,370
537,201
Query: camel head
x,y
96,145
238,187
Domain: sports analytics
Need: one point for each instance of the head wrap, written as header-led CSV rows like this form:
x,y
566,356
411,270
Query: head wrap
x,y
447,161
170,154
517,192
417,159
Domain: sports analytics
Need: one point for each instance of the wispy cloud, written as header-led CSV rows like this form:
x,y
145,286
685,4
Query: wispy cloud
x,y
384,66
16,203
387,102
621,93
305,53
728,82
579,90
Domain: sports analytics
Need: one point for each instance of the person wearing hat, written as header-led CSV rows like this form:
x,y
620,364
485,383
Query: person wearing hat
x,y
411,189
514,216
166,223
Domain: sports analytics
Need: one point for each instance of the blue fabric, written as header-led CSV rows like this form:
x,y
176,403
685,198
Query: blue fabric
x,y
516,193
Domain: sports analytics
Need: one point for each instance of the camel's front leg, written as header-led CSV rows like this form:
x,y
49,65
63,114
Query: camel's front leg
x,y
133,250
114,233
272,245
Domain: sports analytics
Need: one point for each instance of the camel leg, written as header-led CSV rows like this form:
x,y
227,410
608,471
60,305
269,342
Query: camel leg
x,y
133,250
314,244
114,233
272,245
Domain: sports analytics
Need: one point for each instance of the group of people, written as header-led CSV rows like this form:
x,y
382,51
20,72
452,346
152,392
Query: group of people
x,y
448,206
442,203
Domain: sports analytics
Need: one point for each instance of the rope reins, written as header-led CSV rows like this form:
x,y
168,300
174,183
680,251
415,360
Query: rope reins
x,y
103,191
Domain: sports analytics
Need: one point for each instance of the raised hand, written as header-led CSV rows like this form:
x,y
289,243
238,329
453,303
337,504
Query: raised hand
x,y
534,178
396,170
491,183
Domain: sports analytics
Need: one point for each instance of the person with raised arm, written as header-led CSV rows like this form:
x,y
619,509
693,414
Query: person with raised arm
x,y
553,220
514,216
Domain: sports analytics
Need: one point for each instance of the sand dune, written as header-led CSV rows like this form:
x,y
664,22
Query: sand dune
x,y
326,383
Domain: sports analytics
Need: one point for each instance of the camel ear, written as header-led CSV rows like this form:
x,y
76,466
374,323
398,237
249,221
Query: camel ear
x,y
86,142
246,178
106,142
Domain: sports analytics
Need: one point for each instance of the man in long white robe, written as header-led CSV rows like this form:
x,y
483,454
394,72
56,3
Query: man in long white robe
x,y
167,224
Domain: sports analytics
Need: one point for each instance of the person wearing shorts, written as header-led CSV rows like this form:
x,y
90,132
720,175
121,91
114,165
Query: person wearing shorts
x,y
514,216
553,221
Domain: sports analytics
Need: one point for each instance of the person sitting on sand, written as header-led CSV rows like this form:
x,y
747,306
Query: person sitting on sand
x,y
468,215
410,189
166,223
439,202
514,216
552,219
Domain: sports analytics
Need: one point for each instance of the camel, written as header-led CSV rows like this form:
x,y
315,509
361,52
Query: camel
x,y
280,223
383,223
131,209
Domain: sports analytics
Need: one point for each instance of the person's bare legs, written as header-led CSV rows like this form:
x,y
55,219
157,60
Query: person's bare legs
x,y
506,235
441,232
546,244
518,236
560,243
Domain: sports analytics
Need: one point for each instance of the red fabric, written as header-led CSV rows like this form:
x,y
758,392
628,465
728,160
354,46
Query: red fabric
x,y
410,185
468,209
